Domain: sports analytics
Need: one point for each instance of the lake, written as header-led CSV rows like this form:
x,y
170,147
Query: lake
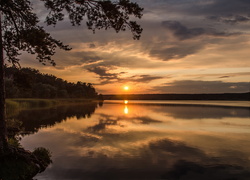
x,y
191,140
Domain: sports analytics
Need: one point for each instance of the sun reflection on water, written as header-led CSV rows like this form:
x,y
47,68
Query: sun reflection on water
x,y
125,110
160,139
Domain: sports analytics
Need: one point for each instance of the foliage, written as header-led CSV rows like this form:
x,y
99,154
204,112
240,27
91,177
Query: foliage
x,y
30,83
100,14
22,32
15,168
43,154
19,164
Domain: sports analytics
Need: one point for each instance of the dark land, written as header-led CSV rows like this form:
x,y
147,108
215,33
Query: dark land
x,y
30,83
222,96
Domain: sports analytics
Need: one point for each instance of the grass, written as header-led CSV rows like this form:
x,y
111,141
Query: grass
x,y
14,106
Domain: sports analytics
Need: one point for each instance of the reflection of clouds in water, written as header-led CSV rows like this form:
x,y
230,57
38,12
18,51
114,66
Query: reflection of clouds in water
x,y
118,156
162,158
140,145
202,112
109,123
190,170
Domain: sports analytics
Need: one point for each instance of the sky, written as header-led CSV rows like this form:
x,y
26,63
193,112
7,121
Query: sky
x,y
187,46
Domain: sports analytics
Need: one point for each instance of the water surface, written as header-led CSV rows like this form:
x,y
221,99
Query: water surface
x,y
142,140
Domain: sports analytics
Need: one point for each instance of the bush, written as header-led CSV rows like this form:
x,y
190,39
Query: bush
x,y
43,155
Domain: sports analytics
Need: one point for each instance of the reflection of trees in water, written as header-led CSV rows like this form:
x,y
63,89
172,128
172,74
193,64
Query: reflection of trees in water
x,y
16,163
157,159
33,120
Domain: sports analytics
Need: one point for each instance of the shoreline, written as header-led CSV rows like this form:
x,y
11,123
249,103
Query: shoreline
x,y
210,103
202,97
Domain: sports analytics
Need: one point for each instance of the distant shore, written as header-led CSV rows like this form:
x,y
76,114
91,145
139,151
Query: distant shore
x,y
221,96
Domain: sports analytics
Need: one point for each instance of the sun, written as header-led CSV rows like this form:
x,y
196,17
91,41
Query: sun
x,y
126,88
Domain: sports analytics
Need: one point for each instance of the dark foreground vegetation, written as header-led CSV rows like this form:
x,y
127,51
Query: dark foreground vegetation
x,y
30,83
27,116
224,96
16,163
26,87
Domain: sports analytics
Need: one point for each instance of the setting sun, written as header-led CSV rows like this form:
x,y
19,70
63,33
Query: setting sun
x,y
126,88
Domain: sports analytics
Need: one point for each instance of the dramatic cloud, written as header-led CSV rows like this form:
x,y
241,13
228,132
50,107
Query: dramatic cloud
x,y
104,73
204,87
230,19
215,7
180,39
144,78
182,32
176,52
107,77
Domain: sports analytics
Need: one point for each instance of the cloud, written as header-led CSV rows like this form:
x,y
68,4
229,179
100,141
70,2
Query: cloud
x,y
189,86
177,35
89,57
205,7
178,51
144,78
225,7
224,77
104,73
106,76
197,8
92,45
230,19
182,32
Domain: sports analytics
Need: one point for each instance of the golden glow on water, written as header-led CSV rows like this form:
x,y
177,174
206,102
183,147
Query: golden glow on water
x,y
157,134
125,110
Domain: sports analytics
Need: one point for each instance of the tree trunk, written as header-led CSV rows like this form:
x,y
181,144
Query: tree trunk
x,y
3,134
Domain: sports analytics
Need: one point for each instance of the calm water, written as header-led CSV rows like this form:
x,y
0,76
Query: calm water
x,y
143,140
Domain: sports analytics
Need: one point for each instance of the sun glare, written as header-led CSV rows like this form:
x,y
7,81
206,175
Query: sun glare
x,y
126,88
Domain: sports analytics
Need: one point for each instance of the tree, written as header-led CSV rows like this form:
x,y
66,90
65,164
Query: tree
x,y
20,30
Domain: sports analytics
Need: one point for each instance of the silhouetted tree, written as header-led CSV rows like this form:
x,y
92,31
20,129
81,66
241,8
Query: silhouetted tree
x,y
20,30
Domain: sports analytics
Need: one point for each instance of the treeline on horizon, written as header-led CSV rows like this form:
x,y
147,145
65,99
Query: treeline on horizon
x,y
222,96
30,83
